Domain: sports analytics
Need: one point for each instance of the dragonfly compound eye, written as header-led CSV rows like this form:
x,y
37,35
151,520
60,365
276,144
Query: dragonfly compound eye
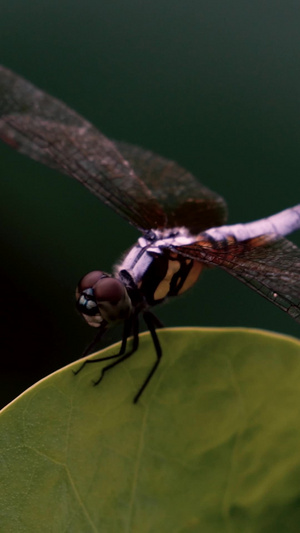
x,y
89,281
101,298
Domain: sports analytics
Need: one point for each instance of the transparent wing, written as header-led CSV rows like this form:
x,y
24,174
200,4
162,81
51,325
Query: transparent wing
x,y
183,198
46,130
269,265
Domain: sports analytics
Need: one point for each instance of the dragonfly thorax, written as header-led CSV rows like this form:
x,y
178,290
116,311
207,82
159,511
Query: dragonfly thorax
x,y
153,270
155,239
102,300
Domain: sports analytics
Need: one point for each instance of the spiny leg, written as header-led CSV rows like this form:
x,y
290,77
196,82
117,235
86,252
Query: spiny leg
x,y
135,344
151,320
126,333
155,320
96,339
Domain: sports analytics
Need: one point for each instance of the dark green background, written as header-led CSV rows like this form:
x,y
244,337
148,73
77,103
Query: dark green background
x,y
213,85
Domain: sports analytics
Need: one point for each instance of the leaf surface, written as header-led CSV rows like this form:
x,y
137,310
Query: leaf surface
x,y
213,444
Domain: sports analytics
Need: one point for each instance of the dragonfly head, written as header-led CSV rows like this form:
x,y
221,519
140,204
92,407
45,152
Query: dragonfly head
x,y
101,299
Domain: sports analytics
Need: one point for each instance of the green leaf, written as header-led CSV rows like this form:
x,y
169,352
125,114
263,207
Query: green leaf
x,y
213,444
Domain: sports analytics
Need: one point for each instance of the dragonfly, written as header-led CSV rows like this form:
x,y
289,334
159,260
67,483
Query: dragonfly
x,y
182,222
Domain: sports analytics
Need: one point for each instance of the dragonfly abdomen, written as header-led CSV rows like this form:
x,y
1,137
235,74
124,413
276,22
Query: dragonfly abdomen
x,y
280,224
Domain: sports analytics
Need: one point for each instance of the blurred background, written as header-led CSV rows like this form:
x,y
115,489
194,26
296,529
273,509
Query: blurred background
x,y
213,85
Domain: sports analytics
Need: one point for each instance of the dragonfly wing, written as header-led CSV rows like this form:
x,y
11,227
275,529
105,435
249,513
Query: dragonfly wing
x,y
184,199
46,130
269,265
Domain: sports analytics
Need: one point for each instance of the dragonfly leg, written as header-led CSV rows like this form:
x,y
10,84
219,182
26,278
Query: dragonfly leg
x,y
134,324
131,325
155,320
152,322
126,333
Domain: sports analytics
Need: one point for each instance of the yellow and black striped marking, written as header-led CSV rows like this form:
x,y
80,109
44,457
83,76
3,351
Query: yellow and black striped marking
x,y
169,274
